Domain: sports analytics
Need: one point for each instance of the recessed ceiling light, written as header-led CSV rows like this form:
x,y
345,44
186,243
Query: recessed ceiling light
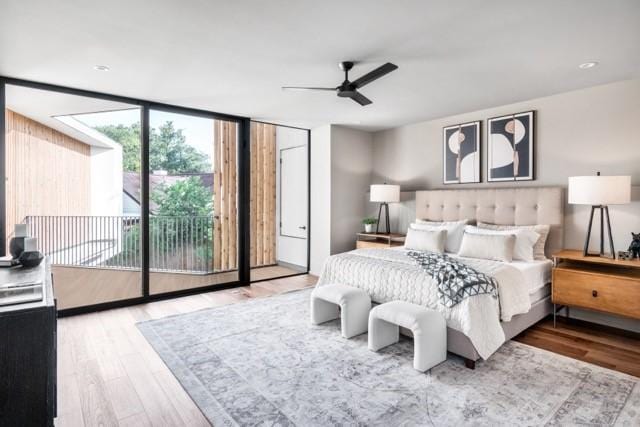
x,y
587,65
101,68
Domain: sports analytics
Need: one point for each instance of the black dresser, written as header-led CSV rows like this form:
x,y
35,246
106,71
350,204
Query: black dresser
x,y
28,353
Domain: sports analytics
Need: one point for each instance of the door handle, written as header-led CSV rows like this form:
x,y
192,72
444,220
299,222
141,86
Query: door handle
x,y
302,227
594,293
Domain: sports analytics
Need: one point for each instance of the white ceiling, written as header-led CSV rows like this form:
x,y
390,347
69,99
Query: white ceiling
x,y
233,56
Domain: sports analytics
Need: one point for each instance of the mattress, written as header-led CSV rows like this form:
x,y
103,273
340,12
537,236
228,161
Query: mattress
x,y
537,274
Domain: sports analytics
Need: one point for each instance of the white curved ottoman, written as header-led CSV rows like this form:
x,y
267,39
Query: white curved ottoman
x,y
428,327
354,304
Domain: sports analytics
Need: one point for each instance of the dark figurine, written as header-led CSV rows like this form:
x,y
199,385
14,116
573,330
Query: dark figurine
x,y
634,248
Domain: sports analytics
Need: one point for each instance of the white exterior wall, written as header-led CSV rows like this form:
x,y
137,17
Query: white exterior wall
x,y
106,180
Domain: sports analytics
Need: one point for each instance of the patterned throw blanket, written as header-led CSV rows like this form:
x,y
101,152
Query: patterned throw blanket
x,y
456,281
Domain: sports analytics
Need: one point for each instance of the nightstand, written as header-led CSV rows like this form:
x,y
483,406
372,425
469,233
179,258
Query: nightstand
x,y
594,283
379,240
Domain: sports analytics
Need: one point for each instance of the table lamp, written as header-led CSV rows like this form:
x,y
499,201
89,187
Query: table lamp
x,y
384,194
600,192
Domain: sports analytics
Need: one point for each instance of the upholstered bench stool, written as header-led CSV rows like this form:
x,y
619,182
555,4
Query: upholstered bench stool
x,y
354,304
428,327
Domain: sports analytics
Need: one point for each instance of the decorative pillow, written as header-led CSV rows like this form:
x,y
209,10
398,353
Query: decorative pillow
x,y
488,246
525,240
455,230
541,229
426,240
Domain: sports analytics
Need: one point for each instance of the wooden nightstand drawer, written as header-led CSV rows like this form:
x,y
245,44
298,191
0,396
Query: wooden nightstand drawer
x,y
610,293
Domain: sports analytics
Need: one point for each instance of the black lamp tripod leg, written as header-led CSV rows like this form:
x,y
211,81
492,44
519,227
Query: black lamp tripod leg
x,y
378,223
586,243
613,251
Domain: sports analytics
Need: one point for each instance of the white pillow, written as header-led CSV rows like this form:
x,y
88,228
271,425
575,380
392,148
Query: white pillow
x,y
541,229
488,246
525,240
425,240
455,230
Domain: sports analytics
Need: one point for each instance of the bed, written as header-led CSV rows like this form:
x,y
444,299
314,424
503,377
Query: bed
x,y
481,324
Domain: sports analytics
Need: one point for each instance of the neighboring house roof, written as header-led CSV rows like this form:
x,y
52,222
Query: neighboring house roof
x,y
131,183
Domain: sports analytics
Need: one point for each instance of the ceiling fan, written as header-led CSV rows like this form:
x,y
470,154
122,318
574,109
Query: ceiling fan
x,y
348,89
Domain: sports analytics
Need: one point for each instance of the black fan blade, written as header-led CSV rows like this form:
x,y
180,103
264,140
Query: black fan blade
x,y
307,88
375,74
360,98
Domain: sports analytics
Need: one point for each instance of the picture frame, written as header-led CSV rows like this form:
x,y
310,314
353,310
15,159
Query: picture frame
x,y
461,153
511,147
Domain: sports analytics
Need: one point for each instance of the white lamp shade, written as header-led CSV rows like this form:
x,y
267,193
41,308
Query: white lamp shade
x,y
599,190
385,193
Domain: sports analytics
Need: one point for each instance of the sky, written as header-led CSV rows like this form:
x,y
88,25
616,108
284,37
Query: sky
x,y
197,130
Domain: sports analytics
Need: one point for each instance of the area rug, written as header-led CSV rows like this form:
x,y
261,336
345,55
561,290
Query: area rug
x,y
262,363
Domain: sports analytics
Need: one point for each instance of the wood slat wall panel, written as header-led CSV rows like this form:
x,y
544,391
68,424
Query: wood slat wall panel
x,y
225,196
217,192
47,172
263,194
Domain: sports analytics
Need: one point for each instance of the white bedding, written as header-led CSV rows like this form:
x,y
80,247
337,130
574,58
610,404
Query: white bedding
x,y
388,274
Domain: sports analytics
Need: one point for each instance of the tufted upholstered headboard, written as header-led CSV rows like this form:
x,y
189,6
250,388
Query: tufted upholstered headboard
x,y
504,206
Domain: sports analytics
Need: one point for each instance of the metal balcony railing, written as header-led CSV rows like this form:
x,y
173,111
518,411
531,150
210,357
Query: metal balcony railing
x,y
176,244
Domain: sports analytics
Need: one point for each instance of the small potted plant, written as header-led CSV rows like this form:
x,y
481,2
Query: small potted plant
x,y
368,224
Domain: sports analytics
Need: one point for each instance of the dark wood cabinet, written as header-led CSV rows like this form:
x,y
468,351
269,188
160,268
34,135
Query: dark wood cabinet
x,y
28,357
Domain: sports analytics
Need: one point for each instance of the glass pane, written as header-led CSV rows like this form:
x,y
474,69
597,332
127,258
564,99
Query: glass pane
x,y
193,202
279,201
69,160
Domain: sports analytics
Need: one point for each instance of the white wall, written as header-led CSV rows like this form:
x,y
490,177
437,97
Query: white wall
x,y
289,249
320,197
577,133
106,180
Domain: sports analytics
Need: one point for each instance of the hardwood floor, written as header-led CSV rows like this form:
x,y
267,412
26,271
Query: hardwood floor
x,y
600,345
109,375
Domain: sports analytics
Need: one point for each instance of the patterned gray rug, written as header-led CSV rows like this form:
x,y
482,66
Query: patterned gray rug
x,y
261,362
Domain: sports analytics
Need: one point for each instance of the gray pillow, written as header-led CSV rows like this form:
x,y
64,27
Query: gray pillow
x,y
495,247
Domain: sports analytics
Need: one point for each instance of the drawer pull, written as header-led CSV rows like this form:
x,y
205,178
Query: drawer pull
x,y
594,293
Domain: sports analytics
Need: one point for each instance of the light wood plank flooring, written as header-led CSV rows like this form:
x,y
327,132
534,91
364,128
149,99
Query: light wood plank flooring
x,y
108,375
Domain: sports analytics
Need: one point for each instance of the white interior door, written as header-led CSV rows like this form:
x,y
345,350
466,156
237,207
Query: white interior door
x,y
293,192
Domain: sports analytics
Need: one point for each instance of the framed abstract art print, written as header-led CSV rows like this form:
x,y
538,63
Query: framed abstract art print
x,y
510,149
461,153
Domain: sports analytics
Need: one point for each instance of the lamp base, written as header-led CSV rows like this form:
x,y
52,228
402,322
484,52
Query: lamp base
x,y
604,213
386,209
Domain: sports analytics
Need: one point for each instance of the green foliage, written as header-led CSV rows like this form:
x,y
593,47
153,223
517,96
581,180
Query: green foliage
x,y
367,221
168,150
185,198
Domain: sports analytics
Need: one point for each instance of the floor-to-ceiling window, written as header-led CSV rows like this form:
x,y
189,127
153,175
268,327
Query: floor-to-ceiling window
x,y
133,200
72,168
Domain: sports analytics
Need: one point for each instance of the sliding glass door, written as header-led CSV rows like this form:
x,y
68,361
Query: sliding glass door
x,y
193,192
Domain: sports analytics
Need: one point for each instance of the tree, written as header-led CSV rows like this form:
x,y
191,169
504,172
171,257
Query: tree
x,y
184,198
168,150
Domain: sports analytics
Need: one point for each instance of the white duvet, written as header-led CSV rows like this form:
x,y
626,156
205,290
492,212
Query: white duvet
x,y
389,274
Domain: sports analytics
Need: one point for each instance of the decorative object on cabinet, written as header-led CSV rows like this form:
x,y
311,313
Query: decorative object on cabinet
x,y
600,192
384,194
368,224
634,247
461,153
511,147
16,244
